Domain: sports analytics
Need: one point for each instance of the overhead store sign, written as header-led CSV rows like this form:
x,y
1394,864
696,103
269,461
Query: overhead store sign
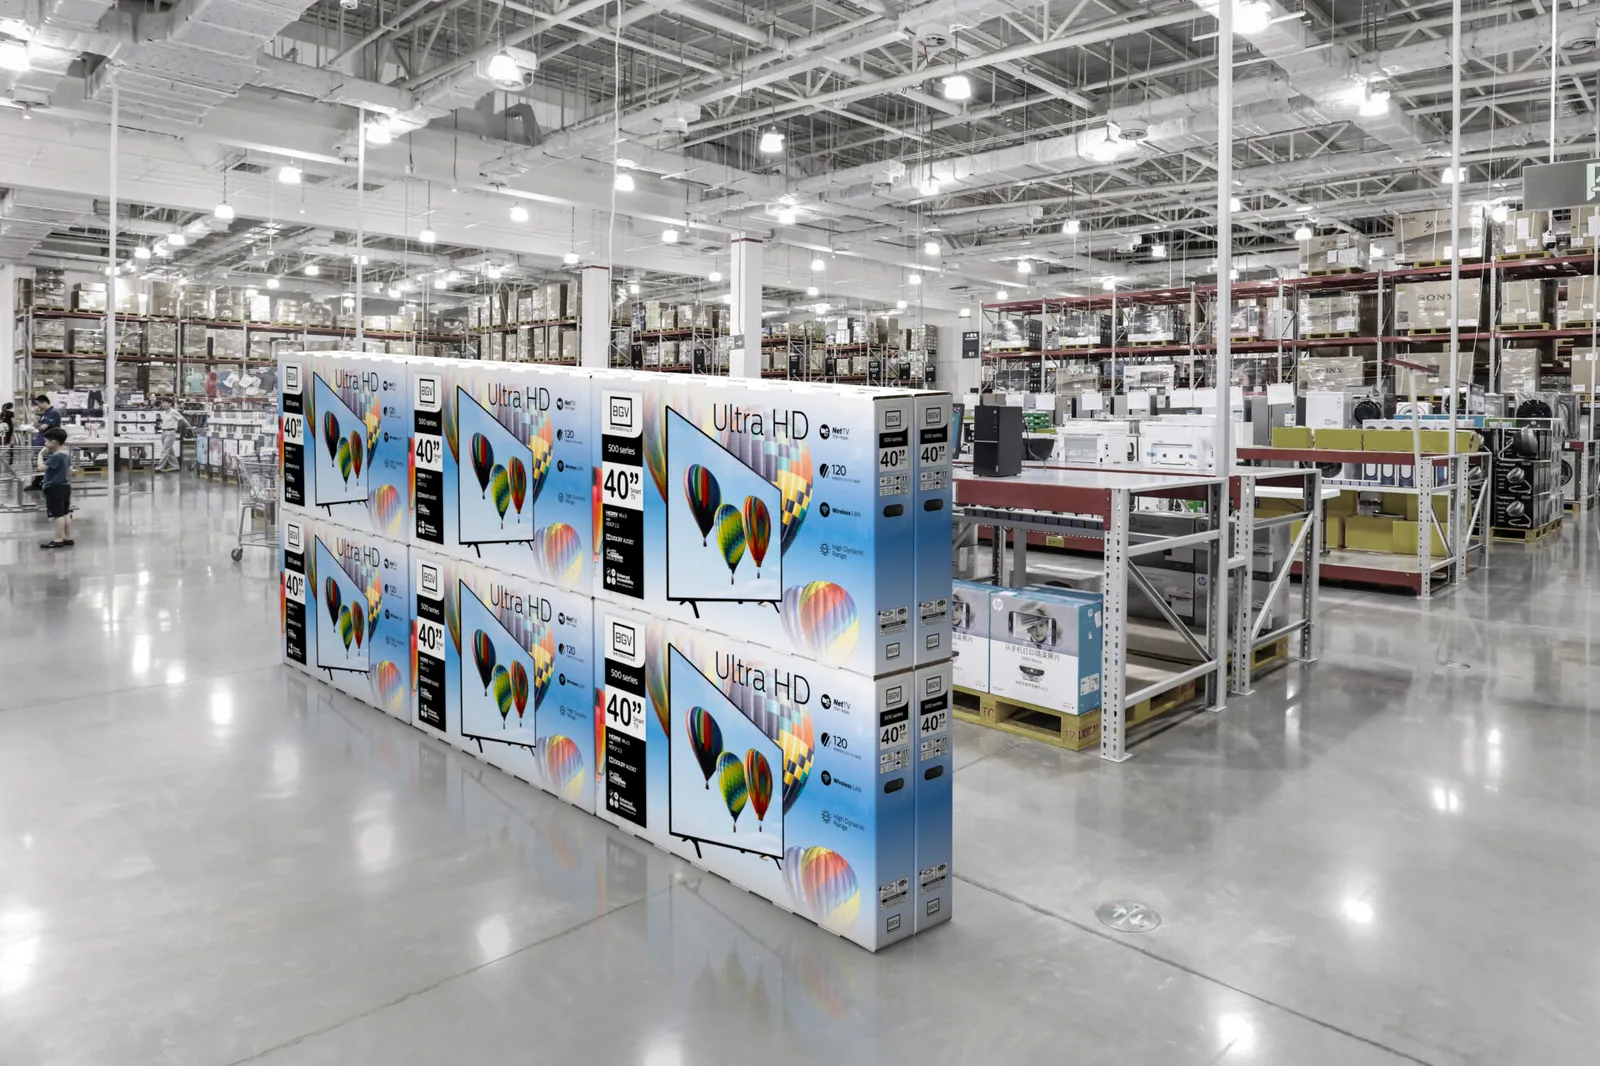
x,y
1555,185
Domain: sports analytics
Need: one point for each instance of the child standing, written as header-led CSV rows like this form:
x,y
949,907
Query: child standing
x,y
55,465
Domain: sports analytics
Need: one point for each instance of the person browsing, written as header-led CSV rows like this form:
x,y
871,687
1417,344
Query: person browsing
x,y
55,471
45,418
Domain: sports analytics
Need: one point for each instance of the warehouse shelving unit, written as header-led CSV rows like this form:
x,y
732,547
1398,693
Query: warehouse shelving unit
x,y
1094,509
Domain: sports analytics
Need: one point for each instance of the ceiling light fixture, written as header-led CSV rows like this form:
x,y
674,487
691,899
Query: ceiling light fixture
x,y
427,236
440,283
1500,212
1375,103
1024,267
913,279
1450,177
624,182
377,132
494,272
1001,294
1158,251
519,213
900,305
771,142
817,264
1109,284
930,248
1071,227
1253,16
811,290
142,252
633,288
965,312
669,236
289,174
272,283
1303,233
714,277
1235,204
312,270
503,70
177,239
223,212
958,87
570,259
14,56
930,186
787,216
1105,144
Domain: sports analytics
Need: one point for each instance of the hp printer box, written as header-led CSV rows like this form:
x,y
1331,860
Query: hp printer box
x,y
969,634
504,671
344,425
782,515
1045,647
347,611
787,777
935,773
504,472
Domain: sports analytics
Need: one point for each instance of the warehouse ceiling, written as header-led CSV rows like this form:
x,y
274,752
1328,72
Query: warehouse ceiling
x,y
1099,112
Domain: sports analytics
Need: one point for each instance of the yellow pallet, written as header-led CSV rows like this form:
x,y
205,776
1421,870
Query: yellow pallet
x,y
1075,732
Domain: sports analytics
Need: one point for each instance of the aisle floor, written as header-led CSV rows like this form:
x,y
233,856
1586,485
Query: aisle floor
x,y
205,859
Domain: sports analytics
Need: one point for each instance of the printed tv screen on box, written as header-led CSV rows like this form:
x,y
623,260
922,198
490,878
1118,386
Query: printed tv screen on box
x,y
346,610
504,462
504,671
344,424
788,777
780,515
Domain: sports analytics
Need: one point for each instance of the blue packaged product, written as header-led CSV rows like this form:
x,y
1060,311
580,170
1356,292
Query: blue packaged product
x,y
787,777
504,671
935,792
931,459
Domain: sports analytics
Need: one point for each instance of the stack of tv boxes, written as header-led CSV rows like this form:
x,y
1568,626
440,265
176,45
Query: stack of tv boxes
x,y
712,612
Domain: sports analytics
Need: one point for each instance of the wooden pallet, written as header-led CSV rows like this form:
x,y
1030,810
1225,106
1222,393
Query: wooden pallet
x,y
1075,732
1323,272
1521,257
1269,657
1525,536
1145,641
1152,344
1333,335
1578,506
1421,263
1431,334
1513,327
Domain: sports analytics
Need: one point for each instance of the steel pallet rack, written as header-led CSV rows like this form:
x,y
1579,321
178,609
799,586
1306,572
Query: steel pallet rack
x,y
1094,507
1304,556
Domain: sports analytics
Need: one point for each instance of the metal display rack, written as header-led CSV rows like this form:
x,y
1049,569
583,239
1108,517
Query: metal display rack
x,y
1464,536
1094,507
1304,557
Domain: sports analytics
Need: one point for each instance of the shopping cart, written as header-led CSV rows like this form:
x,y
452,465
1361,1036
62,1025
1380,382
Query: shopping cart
x,y
18,466
258,501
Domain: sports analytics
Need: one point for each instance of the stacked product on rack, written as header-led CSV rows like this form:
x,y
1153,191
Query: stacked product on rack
x,y
1525,492
715,614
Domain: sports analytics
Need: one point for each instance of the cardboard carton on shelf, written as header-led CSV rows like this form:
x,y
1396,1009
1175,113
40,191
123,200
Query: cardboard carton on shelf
x,y
1524,303
1523,233
1431,237
1425,306
1405,535
1372,533
1333,313
1519,369
1335,252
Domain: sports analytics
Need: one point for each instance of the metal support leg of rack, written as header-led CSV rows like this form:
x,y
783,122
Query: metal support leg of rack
x,y
1305,548
1114,656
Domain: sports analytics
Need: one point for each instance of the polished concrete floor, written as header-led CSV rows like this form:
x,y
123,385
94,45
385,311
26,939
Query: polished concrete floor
x,y
1387,857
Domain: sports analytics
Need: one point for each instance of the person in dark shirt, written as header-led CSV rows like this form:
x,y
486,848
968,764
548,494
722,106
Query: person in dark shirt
x,y
45,418
8,423
55,467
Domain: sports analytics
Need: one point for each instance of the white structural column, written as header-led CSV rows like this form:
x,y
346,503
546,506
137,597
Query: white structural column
x,y
744,359
110,392
8,317
594,316
1224,439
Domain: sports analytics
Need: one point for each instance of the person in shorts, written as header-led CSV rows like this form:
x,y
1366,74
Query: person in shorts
x,y
55,467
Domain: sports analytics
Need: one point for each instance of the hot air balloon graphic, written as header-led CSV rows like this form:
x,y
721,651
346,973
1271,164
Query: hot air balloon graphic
x,y
789,726
519,688
821,617
334,599
730,781
346,632
386,686
358,623
700,488
500,485
655,671
823,886
784,462
730,537
563,767
758,779
373,419
544,664
757,530
386,504
705,737
482,461
541,447
501,683
450,434
561,550
483,657
452,607
343,461
655,452
331,435
357,452
374,602
517,478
